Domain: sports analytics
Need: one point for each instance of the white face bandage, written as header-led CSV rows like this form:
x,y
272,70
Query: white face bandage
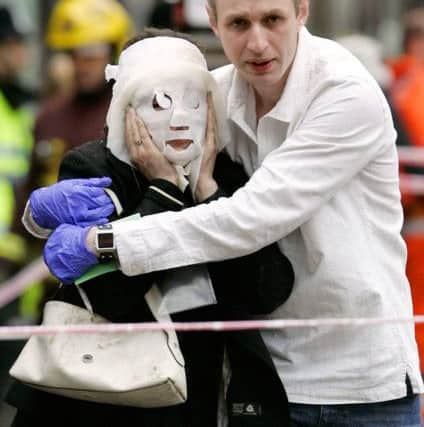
x,y
175,114
166,79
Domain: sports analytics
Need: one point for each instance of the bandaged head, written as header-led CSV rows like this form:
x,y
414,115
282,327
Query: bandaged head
x,y
166,80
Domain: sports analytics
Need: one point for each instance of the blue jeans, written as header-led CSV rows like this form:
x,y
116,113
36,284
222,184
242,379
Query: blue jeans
x,y
396,413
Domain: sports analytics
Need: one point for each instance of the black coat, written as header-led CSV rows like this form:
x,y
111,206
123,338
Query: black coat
x,y
253,284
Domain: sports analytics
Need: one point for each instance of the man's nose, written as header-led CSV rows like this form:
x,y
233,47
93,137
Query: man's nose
x,y
257,42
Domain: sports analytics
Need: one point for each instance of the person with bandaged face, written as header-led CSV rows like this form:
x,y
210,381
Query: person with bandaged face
x,y
176,106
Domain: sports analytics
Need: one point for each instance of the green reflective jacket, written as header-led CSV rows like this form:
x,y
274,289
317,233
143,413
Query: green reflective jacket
x,y
16,143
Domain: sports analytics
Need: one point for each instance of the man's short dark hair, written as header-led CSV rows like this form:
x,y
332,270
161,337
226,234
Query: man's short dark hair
x,y
212,5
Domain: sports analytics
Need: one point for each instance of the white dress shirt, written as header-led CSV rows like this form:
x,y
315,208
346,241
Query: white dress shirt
x,y
324,183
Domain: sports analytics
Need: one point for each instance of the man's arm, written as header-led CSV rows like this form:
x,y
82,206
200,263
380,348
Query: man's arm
x,y
345,129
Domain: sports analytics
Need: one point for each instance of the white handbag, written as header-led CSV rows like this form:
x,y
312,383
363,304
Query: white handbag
x,y
143,369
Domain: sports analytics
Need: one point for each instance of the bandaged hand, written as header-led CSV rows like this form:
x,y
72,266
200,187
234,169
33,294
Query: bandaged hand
x,y
143,152
66,253
74,201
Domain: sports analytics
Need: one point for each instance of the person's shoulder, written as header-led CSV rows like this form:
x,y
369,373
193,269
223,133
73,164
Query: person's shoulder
x,y
334,64
327,73
331,81
85,161
92,151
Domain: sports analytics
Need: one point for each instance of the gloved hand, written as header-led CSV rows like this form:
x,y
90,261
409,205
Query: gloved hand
x,y
73,201
66,253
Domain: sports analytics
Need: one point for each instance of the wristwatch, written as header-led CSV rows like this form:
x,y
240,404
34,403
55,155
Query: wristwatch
x,y
105,243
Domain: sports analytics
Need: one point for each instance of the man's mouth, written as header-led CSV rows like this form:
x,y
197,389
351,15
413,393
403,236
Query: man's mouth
x,y
179,144
261,65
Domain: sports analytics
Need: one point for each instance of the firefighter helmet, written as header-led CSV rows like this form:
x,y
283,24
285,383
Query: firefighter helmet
x,y
78,23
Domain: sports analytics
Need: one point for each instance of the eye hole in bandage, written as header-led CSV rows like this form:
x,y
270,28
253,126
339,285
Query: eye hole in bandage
x,y
161,101
191,99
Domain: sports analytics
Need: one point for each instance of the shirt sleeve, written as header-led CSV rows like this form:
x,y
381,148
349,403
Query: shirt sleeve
x,y
344,129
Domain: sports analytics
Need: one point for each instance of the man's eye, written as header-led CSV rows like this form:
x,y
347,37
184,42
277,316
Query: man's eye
x,y
272,19
239,23
161,102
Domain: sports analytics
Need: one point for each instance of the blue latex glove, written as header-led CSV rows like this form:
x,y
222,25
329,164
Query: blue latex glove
x,y
73,201
66,253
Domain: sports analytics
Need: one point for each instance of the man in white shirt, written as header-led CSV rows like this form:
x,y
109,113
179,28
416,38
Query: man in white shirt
x,y
313,130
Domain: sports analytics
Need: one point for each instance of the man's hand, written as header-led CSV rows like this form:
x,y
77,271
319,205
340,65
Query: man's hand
x,y
66,253
143,152
74,201
206,185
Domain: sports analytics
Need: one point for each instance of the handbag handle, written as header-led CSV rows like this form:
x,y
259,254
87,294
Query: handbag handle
x,y
85,299
153,298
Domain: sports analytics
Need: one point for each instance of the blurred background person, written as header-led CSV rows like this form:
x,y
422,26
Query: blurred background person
x,y
60,76
16,143
84,36
16,120
91,33
183,15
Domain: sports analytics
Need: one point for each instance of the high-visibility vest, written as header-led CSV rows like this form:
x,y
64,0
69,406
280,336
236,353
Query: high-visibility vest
x,y
16,144
12,246
16,140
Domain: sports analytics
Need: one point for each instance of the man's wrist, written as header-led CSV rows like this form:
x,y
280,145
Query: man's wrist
x,y
90,241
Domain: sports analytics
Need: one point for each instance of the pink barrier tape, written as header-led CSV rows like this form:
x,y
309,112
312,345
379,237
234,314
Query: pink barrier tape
x,y
23,332
413,156
412,184
16,285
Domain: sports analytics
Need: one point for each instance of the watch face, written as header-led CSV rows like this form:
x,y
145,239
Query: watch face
x,y
105,240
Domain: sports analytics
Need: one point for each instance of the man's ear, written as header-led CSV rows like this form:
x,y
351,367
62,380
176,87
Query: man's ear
x,y
212,20
303,12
